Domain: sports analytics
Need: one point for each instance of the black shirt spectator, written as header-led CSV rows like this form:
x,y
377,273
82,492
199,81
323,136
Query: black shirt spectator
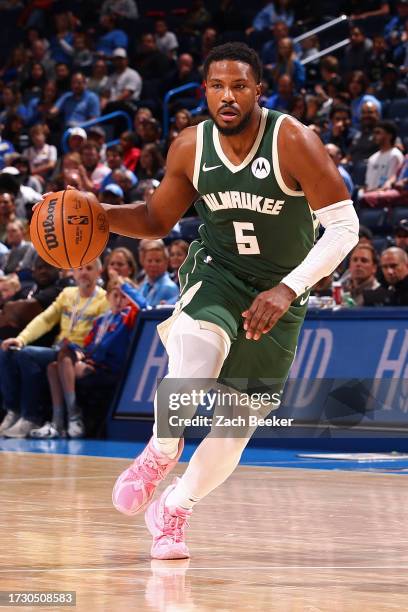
x,y
151,63
363,144
394,266
389,87
357,54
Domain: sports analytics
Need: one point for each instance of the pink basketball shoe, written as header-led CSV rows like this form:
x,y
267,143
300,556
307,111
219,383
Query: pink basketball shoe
x,y
167,526
135,487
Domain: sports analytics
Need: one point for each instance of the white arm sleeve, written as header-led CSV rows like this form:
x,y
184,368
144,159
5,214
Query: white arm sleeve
x,y
340,236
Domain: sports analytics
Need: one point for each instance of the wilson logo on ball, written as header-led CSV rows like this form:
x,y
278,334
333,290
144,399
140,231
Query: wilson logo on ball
x,y
78,220
49,226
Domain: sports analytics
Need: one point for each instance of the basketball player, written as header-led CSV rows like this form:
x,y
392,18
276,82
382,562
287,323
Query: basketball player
x,y
265,181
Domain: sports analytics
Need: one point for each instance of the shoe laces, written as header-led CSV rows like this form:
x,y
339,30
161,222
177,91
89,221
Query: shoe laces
x,y
174,526
149,470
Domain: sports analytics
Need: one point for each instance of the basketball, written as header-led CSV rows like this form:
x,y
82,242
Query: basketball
x,y
69,229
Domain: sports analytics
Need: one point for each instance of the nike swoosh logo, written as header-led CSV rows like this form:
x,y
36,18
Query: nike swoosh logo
x,y
304,300
208,168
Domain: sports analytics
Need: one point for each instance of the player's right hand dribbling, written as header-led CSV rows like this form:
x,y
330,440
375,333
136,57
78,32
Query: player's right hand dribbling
x,y
11,343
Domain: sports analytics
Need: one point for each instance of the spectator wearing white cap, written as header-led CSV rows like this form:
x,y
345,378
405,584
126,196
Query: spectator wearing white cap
x,y
78,105
24,196
124,84
76,138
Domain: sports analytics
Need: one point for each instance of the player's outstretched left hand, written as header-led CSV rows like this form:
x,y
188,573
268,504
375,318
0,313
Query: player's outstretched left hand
x,y
266,309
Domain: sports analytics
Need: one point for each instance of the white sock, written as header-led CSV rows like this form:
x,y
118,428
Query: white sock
x,y
180,496
166,446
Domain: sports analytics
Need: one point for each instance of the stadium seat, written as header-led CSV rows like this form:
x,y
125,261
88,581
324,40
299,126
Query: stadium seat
x,y
189,228
358,173
376,219
398,109
398,213
381,242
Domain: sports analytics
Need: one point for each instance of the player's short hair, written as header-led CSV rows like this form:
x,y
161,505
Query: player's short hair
x,y
235,51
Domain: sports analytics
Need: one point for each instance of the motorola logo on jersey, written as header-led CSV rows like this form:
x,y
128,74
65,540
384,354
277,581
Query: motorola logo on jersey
x,y
261,168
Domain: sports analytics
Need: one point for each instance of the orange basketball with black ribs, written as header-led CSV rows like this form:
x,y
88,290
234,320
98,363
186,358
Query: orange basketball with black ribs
x,y
69,229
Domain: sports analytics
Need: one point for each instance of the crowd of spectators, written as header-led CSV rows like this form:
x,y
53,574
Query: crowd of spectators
x,y
65,64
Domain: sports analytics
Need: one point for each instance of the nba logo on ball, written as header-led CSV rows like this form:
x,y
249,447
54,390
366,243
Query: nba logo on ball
x,y
261,168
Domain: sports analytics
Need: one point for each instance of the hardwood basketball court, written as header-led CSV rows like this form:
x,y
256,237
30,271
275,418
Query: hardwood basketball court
x,y
275,539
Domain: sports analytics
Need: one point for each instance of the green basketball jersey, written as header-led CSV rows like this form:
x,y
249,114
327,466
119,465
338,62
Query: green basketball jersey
x,y
252,222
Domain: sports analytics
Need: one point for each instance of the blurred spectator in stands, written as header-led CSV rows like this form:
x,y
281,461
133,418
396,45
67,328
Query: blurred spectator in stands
x,y
64,22
151,163
178,250
102,356
127,9
395,26
24,197
157,287
9,287
15,131
362,273
62,78
6,147
25,177
226,18
309,47
98,81
131,154
389,87
208,42
386,162
21,253
76,139
142,113
287,63
114,37
329,68
95,170
40,54
196,19
184,73
112,194
80,53
42,156
78,105
150,132
282,99
166,41
270,13
38,109
150,62
357,53
32,299
357,86
379,57
340,131
114,161
269,52
364,143
393,193
401,235
15,65
335,153
74,310
124,84
96,134
121,261
126,181
182,119
298,109
361,9
394,266
33,85
12,103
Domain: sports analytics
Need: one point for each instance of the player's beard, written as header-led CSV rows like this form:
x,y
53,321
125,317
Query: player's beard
x,y
236,129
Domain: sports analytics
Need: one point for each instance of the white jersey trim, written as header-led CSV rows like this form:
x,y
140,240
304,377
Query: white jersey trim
x,y
198,153
275,161
232,167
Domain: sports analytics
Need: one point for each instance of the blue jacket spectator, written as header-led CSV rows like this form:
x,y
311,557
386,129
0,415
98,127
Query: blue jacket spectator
x,y
78,105
64,33
113,39
282,98
5,148
157,287
271,13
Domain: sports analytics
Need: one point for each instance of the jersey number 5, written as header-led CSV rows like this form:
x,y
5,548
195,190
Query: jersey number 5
x,y
247,244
